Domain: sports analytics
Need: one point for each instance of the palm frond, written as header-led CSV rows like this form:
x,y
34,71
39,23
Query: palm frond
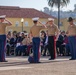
x,y
55,2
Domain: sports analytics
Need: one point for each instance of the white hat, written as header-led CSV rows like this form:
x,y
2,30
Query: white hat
x,y
35,19
25,33
21,32
2,16
50,19
4,21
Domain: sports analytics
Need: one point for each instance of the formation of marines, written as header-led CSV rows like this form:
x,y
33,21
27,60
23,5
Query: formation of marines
x,y
53,33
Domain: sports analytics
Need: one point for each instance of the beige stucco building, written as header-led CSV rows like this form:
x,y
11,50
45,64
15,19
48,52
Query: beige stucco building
x,y
64,24
15,14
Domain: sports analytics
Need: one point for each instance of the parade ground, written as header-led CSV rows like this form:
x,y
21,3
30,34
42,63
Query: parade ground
x,y
20,66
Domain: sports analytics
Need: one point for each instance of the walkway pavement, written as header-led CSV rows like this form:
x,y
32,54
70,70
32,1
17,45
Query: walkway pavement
x,y
20,66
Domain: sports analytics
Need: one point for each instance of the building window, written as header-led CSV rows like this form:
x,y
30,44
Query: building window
x,y
26,23
61,23
43,22
75,23
17,23
10,30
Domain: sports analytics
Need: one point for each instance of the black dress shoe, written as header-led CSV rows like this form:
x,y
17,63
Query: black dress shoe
x,y
37,62
72,59
4,61
51,59
44,54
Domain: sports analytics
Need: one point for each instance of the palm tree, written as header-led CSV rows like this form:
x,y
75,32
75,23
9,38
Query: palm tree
x,y
58,3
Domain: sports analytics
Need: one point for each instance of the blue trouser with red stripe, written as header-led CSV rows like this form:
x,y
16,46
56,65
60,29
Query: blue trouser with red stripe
x,y
72,44
2,47
36,45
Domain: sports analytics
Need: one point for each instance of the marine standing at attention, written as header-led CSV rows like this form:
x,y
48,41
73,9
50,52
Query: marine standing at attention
x,y
35,30
71,32
3,24
53,33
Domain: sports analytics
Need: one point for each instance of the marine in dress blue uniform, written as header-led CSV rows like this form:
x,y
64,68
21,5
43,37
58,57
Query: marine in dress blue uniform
x,y
35,29
71,32
3,24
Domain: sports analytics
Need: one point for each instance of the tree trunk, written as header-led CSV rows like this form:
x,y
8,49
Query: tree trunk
x,y
58,13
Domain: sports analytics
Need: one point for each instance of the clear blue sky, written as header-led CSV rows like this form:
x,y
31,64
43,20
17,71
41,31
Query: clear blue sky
x,y
37,4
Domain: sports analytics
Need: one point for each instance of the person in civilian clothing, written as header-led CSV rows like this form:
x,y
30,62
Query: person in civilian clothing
x,y
66,45
23,46
43,38
18,38
8,37
46,44
60,42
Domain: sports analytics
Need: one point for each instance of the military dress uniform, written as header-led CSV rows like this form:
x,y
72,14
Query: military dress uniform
x,y
72,40
36,41
52,30
3,26
51,40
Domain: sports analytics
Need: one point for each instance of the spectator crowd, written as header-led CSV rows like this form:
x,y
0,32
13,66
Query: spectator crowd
x,y
20,44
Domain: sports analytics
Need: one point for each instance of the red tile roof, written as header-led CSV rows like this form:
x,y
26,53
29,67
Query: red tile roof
x,y
17,12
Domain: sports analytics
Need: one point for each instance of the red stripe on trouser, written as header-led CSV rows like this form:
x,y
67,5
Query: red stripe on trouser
x,y
39,53
3,56
54,47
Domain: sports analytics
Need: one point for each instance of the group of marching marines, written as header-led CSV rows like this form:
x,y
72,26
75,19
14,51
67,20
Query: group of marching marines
x,y
53,33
